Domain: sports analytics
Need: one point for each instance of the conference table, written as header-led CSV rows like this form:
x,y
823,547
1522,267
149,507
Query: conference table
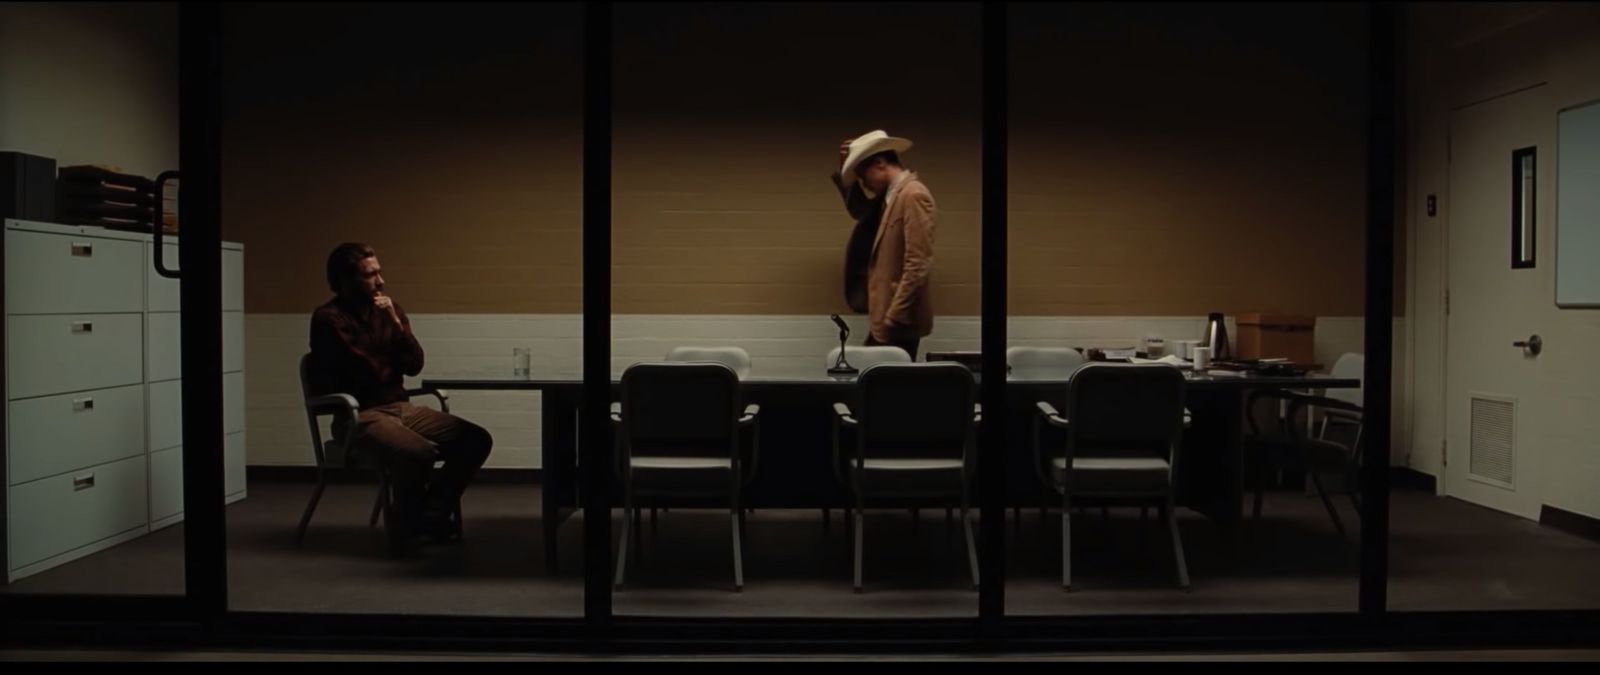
x,y
796,469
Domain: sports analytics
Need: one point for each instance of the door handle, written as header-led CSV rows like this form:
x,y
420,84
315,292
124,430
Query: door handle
x,y
83,326
158,248
82,249
83,404
82,482
1533,345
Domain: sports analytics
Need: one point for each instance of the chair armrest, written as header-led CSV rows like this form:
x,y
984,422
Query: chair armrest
x,y
1052,415
329,404
1343,416
844,414
616,411
442,395
1330,405
1188,417
750,413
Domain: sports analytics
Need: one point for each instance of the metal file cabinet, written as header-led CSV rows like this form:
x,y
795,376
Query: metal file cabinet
x,y
93,420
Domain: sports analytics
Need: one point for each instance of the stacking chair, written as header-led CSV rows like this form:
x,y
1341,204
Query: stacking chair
x,y
914,431
334,454
678,436
1124,431
1283,441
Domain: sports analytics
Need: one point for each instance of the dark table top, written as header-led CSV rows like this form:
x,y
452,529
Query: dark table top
x,y
757,381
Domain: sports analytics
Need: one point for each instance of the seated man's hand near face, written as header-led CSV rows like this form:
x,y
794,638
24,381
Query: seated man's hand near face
x,y
385,303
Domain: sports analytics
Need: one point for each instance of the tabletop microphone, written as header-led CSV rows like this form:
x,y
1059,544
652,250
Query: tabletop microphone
x,y
841,366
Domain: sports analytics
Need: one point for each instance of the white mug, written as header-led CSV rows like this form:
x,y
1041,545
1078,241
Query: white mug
x,y
1202,358
1155,346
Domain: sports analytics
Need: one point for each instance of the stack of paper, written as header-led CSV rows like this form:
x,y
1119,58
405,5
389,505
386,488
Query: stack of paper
x,y
1169,359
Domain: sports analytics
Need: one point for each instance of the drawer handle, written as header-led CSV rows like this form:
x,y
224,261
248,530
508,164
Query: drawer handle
x,y
82,482
82,250
83,404
83,326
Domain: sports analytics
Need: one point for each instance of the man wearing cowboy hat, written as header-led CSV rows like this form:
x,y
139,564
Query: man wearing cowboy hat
x,y
895,213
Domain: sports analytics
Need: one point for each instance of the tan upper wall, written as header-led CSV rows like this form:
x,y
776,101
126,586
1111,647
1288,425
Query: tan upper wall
x,y
91,83
1164,161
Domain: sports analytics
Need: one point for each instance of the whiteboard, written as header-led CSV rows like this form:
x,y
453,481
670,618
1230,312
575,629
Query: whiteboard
x,y
1578,206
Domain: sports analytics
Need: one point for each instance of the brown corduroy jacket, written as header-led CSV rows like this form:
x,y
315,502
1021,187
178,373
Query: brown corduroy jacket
x,y
899,267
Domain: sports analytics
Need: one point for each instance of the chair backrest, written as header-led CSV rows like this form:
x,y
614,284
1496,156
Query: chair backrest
x,y
915,410
1125,410
305,377
1350,365
318,447
732,357
1043,363
680,409
863,358
1267,416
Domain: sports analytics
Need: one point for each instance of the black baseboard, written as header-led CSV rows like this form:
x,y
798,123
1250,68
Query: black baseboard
x,y
1407,478
1575,524
308,474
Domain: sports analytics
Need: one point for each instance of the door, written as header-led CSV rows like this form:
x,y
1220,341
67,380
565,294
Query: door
x,y
1492,305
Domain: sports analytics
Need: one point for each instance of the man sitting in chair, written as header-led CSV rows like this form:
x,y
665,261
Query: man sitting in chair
x,y
362,345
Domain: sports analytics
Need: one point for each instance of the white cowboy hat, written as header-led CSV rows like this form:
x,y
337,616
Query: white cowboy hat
x,y
867,145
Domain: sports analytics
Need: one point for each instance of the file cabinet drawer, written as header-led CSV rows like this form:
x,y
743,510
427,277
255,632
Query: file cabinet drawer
x,y
55,515
48,355
57,434
166,483
165,345
164,291
65,274
166,410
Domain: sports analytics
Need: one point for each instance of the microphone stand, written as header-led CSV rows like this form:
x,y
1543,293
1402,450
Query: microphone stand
x,y
841,366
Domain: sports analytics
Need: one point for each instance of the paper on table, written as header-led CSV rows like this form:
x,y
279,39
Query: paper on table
x,y
1170,359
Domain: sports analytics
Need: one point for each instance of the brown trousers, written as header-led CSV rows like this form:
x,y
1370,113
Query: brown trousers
x,y
406,439
909,344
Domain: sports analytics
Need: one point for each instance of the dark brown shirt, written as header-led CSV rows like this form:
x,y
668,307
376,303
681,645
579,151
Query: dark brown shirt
x,y
358,350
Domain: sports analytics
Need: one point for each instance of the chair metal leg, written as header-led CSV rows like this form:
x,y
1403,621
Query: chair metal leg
x,y
1255,511
1171,512
638,535
737,517
972,544
377,505
1327,503
1353,488
622,542
311,507
858,529
1066,544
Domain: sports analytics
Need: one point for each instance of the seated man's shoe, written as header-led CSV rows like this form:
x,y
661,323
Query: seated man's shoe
x,y
439,525
400,538
400,531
